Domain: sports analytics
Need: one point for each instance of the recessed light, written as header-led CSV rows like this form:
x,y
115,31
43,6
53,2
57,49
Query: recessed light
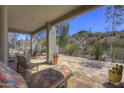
x,y
33,19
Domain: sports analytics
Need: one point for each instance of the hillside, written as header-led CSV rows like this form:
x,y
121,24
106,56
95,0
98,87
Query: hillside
x,y
85,41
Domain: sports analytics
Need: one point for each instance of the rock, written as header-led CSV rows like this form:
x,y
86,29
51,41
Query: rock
x,y
104,57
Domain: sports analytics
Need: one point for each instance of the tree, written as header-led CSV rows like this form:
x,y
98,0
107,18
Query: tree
x,y
41,35
18,43
12,39
114,16
42,44
62,30
41,39
26,42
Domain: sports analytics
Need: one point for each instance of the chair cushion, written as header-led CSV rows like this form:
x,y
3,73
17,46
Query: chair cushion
x,y
9,78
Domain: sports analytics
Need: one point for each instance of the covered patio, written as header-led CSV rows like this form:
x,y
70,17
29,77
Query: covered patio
x,y
31,20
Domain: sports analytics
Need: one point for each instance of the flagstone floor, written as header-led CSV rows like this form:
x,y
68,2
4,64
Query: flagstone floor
x,y
87,73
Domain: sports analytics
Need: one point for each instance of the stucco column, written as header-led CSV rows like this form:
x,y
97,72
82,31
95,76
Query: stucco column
x,y
34,41
35,47
52,48
3,34
31,44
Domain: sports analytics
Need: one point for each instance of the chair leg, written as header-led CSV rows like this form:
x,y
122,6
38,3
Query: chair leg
x,y
37,68
63,85
17,67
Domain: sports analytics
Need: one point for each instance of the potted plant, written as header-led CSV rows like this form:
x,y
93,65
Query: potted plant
x,y
115,74
55,58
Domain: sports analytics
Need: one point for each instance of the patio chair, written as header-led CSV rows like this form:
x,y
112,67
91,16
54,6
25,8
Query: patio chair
x,y
24,66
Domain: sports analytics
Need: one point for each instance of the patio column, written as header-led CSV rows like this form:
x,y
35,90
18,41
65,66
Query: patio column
x,y
3,34
52,48
34,45
31,44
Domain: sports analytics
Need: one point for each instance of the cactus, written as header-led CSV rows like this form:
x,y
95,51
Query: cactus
x,y
115,74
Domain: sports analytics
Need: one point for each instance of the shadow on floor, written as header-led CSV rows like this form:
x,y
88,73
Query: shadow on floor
x,y
110,85
93,65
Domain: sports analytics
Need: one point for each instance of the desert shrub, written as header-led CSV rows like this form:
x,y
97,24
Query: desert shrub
x,y
118,53
92,40
118,43
71,48
97,50
121,34
106,44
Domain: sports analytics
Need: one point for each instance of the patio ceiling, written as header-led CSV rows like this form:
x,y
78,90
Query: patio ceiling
x,y
29,19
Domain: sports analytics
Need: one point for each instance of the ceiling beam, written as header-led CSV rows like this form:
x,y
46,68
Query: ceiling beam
x,y
80,10
76,12
18,31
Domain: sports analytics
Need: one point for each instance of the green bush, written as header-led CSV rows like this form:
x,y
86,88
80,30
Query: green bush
x,y
106,44
97,50
71,48
92,40
118,53
118,43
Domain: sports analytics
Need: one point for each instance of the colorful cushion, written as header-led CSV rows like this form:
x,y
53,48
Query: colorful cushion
x,y
9,78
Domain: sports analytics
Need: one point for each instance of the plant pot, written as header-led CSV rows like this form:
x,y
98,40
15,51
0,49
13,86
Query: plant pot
x,y
55,60
114,76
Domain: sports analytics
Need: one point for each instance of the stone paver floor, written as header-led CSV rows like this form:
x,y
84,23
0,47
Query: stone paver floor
x,y
87,73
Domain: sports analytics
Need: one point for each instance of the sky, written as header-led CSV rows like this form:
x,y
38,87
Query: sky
x,y
93,21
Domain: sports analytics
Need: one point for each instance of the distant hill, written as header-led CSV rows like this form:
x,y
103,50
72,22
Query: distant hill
x,y
85,40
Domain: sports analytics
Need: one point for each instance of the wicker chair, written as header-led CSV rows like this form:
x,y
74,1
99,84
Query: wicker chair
x,y
24,66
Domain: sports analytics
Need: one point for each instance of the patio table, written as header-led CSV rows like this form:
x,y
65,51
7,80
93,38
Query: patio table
x,y
55,76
